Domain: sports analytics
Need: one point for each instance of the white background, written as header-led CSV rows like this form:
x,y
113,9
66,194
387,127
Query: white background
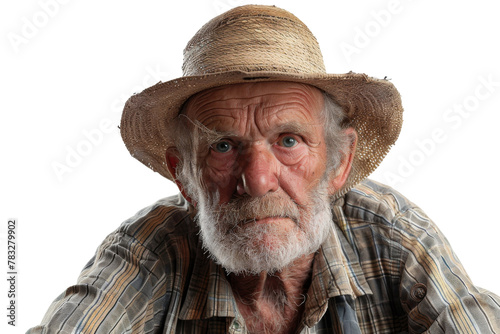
x,y
76,68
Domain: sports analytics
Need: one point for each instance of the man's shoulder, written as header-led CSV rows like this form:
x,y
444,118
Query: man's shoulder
x,y
374,201
168,218
374,209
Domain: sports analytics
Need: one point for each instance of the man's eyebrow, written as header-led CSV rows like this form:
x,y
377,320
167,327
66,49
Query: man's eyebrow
x,y
207,134
212,135
292,127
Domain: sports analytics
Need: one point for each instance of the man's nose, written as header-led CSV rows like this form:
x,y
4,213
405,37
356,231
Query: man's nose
x,y
258,172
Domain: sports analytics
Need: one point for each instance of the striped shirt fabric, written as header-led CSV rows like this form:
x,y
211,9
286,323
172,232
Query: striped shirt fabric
x,y
385,268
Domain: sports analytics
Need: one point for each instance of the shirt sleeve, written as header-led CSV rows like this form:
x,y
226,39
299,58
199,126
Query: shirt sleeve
x,y
435,290
119,291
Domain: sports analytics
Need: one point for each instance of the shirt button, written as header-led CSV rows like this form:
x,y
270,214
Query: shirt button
x,y
418,292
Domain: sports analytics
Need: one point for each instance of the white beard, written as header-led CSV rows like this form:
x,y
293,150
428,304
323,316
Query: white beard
x,y
236,242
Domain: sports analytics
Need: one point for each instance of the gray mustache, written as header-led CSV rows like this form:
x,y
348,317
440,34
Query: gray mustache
x,y
245,208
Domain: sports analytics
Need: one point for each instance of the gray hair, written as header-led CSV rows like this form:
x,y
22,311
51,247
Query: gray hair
x,y
335,123
189,166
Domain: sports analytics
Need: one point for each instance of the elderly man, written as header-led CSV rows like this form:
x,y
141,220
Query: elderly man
x,y
277,229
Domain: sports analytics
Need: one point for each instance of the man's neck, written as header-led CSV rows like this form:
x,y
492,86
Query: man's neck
x,y
273,303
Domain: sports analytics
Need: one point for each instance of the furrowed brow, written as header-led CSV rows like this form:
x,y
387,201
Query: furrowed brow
x,y
293,127
210,136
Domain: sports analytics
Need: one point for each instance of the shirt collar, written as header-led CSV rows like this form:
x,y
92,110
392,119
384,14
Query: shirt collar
x,y
336,271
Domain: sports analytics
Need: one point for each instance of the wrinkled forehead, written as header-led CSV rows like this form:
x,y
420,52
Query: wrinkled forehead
x,y
262,107
256,95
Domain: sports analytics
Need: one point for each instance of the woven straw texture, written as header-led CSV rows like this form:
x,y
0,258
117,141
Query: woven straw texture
x,y
261,43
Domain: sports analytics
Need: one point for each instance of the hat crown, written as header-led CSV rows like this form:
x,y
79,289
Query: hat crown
x,y
253,38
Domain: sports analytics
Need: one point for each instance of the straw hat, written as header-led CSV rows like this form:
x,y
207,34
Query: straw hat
x,y
261,43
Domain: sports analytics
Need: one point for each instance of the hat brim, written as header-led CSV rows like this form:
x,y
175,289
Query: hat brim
x,y
372,105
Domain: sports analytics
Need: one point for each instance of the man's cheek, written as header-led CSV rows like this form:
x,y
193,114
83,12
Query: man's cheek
x,y
221,180
299,180
291,157
302,173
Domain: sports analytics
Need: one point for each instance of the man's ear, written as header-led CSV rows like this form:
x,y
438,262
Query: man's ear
x,y
172,157
339,176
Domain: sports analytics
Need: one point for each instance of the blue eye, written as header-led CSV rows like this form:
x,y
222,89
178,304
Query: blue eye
x,y
288,141
222,147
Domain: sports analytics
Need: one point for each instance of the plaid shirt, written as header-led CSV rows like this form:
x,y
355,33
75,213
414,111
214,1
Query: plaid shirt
x,y
386,268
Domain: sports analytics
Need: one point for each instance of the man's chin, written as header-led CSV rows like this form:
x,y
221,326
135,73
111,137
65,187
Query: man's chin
x,y
268,253
269,245
259,227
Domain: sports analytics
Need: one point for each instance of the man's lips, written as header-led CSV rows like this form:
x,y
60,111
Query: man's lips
x,y
263,220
